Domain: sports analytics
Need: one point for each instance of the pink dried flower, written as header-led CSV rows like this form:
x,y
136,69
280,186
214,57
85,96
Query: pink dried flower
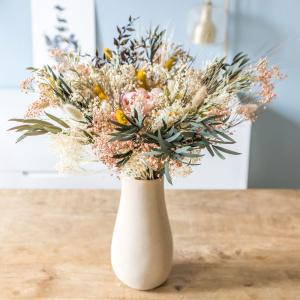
x,y
140,99
219,111
57,54
83,70
26,85
101,122
36,108
106,150
152,161
175,164
264,78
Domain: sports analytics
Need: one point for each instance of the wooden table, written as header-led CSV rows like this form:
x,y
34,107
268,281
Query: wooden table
x,y
228,245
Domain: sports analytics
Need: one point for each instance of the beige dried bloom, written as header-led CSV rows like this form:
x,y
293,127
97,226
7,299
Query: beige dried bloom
x,y
199,98
248,111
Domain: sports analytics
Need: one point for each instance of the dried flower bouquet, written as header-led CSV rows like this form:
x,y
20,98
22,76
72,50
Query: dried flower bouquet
x,y
142,109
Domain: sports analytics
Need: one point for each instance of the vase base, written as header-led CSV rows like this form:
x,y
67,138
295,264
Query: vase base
x,y
142,285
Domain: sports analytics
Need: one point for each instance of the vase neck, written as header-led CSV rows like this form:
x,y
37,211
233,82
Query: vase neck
x,y
142,190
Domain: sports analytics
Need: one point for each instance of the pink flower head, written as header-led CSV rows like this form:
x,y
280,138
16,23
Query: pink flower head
x,y
265,77
140,100
83,70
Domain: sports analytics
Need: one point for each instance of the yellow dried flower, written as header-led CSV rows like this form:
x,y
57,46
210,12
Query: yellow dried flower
x,y
107,53
52,81
170,63
141,77
120,117
97,90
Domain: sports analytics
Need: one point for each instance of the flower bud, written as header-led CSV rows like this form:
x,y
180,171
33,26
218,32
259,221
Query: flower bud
x,y
199,97
73,112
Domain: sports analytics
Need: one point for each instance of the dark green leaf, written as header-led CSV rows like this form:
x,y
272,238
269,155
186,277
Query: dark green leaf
x,y
218,152
228,151
224,135
174,137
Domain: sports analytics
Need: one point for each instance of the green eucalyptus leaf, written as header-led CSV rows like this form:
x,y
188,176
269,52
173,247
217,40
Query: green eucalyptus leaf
x,y
122,138
34,121
151,136
33,133
162,143
153,153
224,135
228,151
20,128
183,149
57,120
218,153
209,149
122,155
174,137
190,155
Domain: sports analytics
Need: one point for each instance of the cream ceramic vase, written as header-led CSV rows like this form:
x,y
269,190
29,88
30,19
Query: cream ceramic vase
x,y
142,247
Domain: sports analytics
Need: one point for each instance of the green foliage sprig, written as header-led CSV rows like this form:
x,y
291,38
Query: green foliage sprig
x,y
177,142
152,42
219,73
34,127
128,132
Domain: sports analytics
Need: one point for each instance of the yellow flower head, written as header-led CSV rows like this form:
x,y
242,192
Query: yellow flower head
x,y
120,117
52,82
97,90
107,53
170,63
141,77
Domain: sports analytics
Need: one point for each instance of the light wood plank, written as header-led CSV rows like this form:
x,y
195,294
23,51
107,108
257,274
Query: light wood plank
x,y
55,244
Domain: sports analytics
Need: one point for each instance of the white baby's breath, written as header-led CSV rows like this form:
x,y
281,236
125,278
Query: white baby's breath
x,y
71,151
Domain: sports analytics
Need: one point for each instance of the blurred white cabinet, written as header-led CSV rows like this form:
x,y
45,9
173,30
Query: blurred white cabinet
x,y
30,163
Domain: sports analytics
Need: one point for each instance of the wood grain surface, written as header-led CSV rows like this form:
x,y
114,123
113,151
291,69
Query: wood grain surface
x,y
228,245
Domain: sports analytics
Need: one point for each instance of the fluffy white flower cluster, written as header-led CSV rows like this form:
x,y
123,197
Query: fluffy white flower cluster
x,y
70,151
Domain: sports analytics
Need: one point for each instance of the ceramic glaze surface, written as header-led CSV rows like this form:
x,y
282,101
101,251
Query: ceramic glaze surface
x,y
142,248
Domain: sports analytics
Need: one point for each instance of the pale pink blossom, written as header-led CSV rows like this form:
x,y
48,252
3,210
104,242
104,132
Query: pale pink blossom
x,y
140,99
101,123
36,108
83,70
153,162
57,54
26,85
265,79
105,150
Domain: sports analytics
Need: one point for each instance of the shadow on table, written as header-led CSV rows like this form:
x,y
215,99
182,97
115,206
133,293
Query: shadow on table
x,y
197,277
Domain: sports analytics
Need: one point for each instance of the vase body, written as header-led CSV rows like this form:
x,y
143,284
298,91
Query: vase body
x,y
142,247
